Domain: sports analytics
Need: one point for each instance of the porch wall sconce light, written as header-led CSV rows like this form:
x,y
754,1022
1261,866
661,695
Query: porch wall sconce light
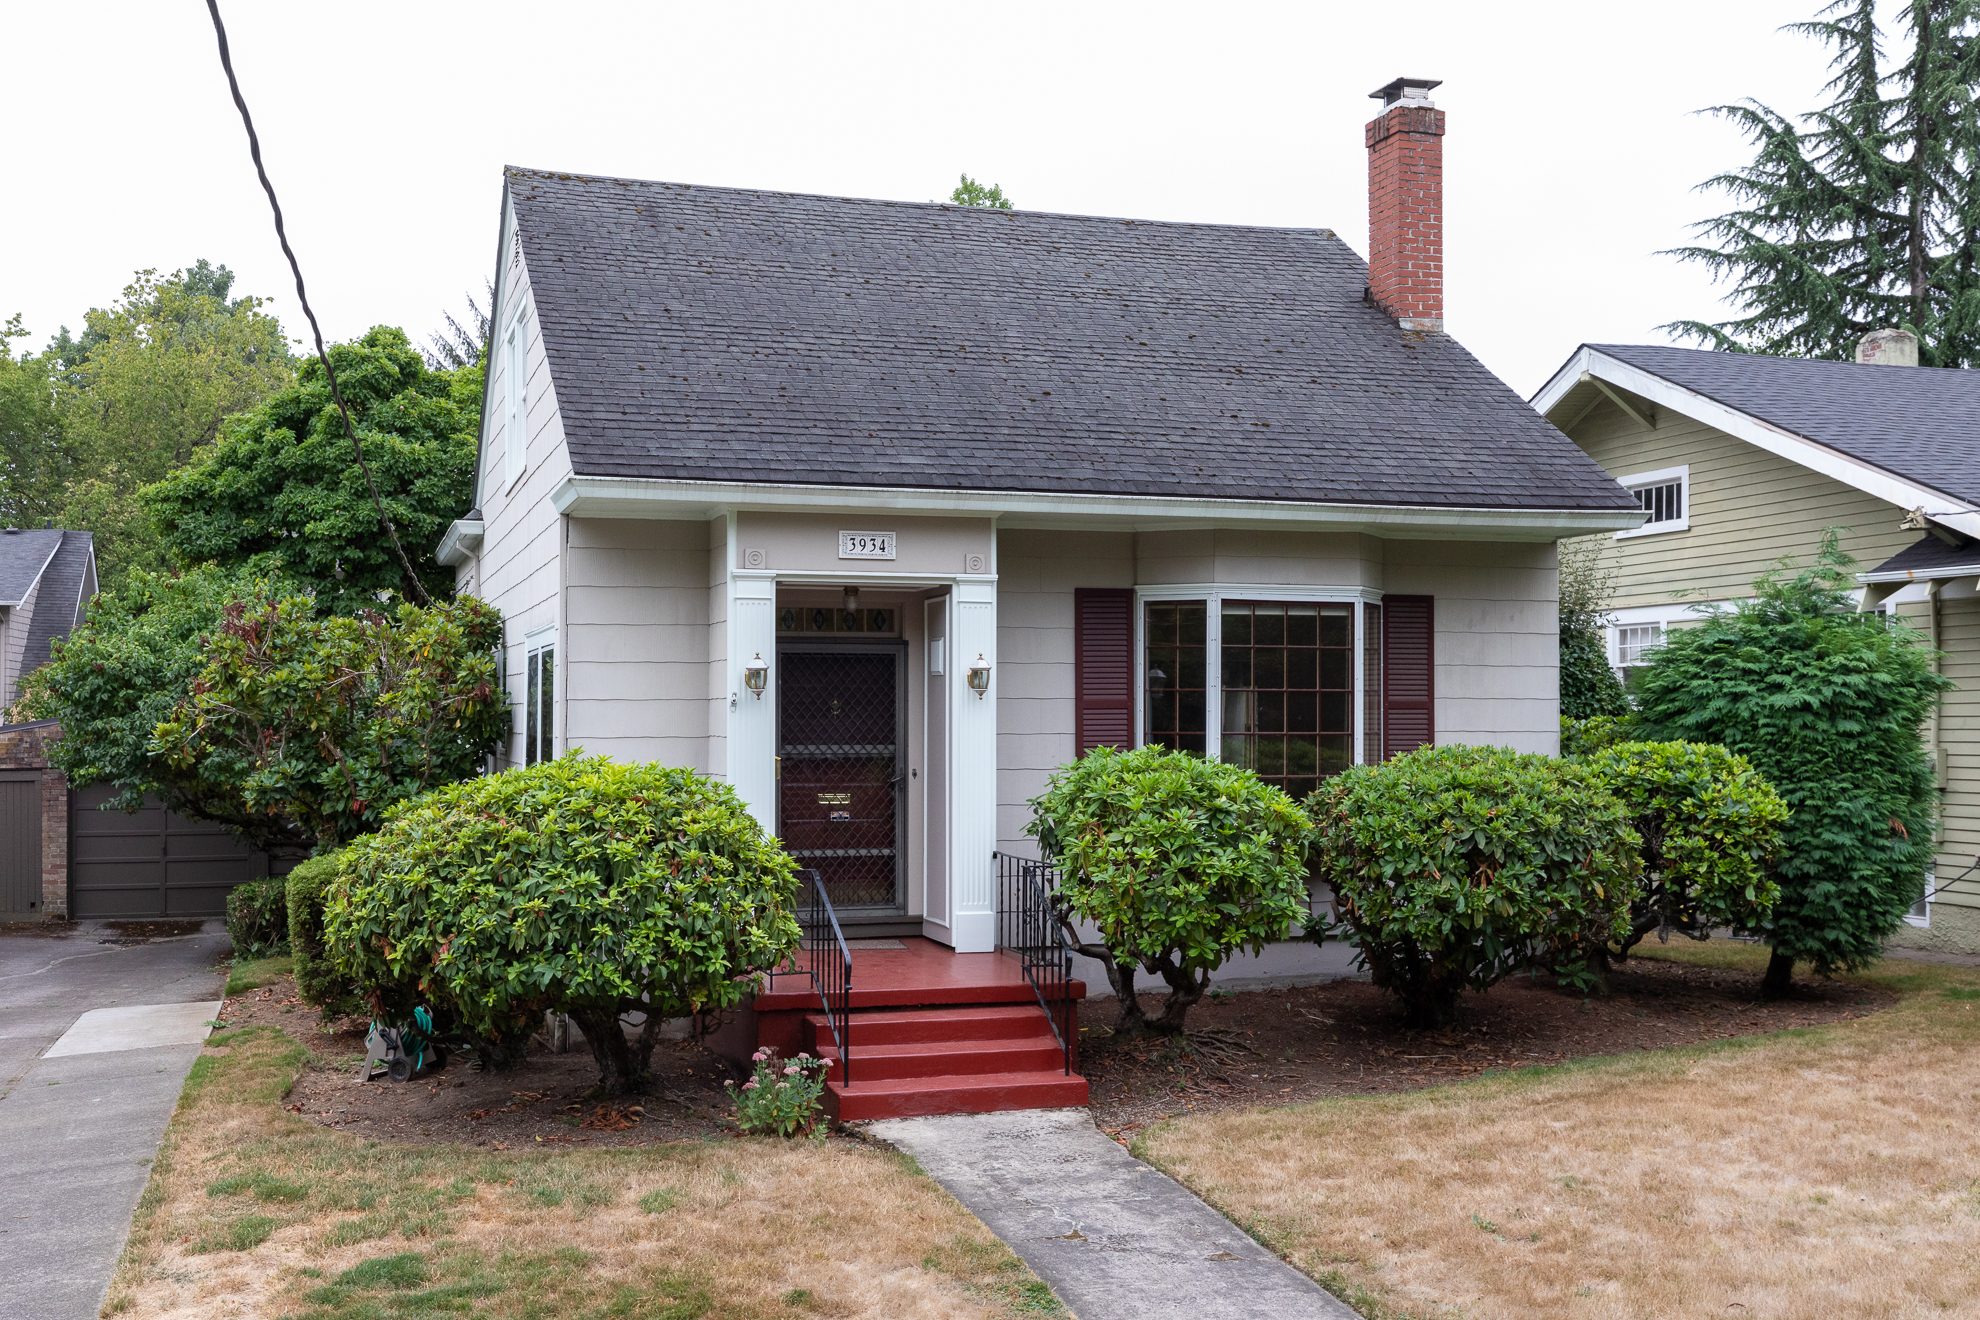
x,y
979,676
756,676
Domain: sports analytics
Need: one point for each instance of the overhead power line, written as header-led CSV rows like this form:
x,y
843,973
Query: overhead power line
x,y
418,592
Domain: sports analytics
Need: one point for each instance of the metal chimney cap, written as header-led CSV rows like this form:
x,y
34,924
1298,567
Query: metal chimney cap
x,y
1416,91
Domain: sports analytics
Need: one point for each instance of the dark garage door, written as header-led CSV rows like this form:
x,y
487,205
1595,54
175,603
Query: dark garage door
x,y
20,843
151,863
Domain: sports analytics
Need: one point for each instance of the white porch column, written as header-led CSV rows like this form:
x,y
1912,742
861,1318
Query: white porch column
x,y
752,740
973,768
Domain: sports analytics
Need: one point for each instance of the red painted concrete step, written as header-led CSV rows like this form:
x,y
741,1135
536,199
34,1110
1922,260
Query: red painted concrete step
x,y
913,1026
912,1097
958,1058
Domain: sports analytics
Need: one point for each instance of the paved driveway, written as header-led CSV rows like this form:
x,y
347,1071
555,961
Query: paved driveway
x,y
95,1043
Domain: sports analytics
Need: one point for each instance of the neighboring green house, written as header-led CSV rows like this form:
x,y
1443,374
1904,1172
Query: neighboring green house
x,y
1743,460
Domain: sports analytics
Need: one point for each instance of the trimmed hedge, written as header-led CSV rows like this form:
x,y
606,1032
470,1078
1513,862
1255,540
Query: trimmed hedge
x,y
1711,829
1455,866
579,886
1179,861
318,981
258,918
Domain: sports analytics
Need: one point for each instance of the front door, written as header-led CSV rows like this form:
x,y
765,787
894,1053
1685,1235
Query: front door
x,y
840,769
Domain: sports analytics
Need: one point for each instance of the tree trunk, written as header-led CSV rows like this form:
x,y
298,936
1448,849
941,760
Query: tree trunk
x,y
619,1072
1121,977
1185,989
1780,975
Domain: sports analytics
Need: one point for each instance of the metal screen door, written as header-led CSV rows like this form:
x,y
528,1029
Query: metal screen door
x,y
839,769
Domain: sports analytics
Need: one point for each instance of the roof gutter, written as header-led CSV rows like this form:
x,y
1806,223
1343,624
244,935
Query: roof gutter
x,y
460,541
644,497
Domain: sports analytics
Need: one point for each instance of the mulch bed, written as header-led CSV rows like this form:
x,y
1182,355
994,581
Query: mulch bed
x,y
542,1103
1344,1038
1253,1048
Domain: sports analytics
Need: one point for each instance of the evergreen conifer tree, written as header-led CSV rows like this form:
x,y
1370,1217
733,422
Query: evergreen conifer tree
x,y
1866,215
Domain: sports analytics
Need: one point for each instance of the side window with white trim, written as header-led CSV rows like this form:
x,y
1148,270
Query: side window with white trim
x,y
1665,495
1634,644
539,703
515,373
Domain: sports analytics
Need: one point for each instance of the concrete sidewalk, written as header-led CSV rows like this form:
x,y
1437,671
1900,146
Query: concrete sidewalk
x,y
84,1098
1116,1239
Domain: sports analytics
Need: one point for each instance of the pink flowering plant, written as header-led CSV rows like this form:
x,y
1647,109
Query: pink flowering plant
x,y
783,1096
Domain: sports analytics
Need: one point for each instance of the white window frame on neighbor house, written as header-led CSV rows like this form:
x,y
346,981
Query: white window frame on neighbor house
x,y
1213,597
515,389
1680,477
1920,914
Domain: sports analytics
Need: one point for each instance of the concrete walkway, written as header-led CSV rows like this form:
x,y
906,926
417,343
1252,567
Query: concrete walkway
x,y
1115,1239
95,1044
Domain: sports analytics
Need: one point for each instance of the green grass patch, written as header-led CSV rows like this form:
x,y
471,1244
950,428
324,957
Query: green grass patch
x,y
243,1234
659,1201
253,973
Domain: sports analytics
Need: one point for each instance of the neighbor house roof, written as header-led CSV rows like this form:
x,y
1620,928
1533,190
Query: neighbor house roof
x,y
738,335
1925,559
57,610
1918,423
24,555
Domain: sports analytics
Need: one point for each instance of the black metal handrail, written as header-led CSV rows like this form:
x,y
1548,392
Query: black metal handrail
x,y
829,963
1028,925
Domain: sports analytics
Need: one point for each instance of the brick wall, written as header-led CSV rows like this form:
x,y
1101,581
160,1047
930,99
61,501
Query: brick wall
x,y
1406,214
25,747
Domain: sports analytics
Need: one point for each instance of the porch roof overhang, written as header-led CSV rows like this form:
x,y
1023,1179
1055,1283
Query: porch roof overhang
x,y
634,497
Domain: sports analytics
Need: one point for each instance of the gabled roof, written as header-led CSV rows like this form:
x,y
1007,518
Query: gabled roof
x,y
1909,435
58,608
1925,559
736,335
24,555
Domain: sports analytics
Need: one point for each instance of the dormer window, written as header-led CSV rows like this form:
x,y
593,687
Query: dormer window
x,y
1665,495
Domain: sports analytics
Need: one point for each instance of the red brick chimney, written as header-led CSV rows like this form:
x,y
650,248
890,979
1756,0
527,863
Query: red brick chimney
x,y
1406,205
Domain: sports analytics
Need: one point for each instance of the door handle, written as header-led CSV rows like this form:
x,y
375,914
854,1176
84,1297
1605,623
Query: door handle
x,y
778,773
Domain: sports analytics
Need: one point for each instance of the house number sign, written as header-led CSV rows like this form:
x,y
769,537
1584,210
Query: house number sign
x,y
866,545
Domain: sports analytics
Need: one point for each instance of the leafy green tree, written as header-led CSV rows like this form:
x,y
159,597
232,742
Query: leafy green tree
x,y
1829,706
1866,215
35,453
971,193
226,695
1180,862
145,387
1457,866
1589,688
282,489
576,885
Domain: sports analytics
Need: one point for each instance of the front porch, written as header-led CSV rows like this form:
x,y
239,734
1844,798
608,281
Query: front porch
x,y
923,1030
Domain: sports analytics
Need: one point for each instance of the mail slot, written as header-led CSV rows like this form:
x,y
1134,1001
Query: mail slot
x,y
835,799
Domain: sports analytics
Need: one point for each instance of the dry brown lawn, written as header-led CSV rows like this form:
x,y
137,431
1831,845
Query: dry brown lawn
x,y
1806,1175
252,1212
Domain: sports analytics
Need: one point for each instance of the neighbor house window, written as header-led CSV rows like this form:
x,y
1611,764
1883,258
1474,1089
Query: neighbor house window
x,y
539,698
1665,495
1288,691
1921,911
1635,643
515,373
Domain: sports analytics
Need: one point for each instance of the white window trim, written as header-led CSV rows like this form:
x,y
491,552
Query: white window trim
x,y
1923,920
537,639
1660,477
1213,595
515,397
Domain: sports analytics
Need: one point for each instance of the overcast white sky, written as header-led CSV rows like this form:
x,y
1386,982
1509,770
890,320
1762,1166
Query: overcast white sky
x,y
1571,156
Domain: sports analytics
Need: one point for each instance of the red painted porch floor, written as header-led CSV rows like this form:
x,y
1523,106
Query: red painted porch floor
x,y
935,1032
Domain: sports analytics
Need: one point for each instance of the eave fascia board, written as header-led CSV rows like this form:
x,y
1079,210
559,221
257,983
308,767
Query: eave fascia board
x,y
636,497
1561,382
1904,575
1881,483
461,539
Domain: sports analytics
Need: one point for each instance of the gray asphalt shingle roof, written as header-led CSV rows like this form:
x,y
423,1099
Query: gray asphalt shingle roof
x,y
1922,423
1930,555
24,554
57,607
740,335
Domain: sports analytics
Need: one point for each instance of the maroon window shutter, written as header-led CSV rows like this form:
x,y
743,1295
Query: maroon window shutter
x,y
1408,666
1103,668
